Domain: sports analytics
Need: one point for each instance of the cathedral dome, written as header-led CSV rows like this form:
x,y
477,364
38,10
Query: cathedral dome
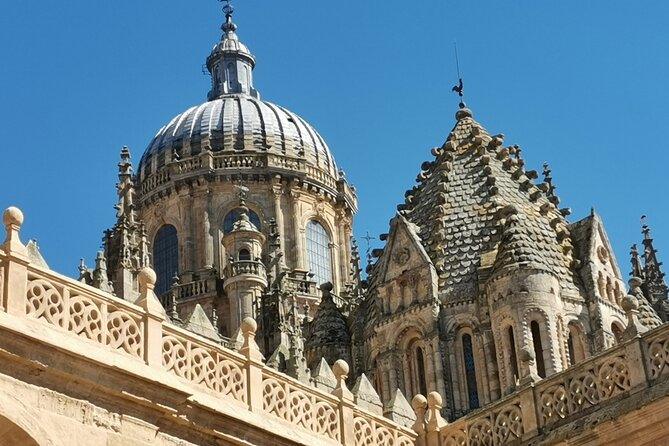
x,y
242,124
239,129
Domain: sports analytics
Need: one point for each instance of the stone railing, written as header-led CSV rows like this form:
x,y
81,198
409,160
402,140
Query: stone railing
x,y
210,162
242,267
141,333
541,407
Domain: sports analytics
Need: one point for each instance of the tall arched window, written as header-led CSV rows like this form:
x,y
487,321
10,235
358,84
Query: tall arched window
x,y
575,346
470,371
165,257
318,252
233,216
513,358
538,348
420,371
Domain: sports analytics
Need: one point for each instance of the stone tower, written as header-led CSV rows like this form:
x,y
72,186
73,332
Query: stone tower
x,y
483,284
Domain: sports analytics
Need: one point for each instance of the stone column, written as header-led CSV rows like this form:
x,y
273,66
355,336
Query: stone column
x,y
208,236
438,366
277,191
344,245
16,268
298,231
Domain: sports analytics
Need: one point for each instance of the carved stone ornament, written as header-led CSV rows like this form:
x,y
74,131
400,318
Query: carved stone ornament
x,y
603,254
402,256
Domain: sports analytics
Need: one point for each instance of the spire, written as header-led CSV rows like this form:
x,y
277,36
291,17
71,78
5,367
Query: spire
x,y
231,62
637,268
654,285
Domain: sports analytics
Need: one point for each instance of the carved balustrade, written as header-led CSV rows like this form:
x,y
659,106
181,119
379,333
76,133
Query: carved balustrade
x,y
208,161
622,371
242,267
142,333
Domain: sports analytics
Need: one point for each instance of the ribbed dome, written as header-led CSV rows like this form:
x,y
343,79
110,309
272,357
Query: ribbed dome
x,y
237,123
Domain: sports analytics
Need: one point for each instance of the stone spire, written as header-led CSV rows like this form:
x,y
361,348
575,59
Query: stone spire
x,y
637,267
654,286
126,247
231,62
329,335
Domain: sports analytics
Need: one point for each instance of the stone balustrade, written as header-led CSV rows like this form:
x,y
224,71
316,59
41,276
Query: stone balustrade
x,y
553,403
210,162
142,335
46,302
243,267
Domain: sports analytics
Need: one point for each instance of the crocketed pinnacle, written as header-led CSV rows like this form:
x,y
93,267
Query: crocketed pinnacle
x,y
475,198
329,326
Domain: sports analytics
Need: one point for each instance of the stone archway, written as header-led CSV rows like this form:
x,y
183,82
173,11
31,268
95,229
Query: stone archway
x,y
11,434
21,425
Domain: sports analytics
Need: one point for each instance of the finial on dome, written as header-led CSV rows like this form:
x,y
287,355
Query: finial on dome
x,y
228,9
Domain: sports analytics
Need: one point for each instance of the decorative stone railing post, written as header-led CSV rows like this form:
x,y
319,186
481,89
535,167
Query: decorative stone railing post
x,y
153,318
435,423
254,365
347,434
419,404
16,273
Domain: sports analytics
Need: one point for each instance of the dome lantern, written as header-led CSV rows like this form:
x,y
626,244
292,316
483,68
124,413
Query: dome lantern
x,y
231,63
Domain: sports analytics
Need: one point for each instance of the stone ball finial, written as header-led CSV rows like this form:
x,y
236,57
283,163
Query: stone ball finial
x,y
12,217
147,278
327,286
434,399
418,402
526,354
630,303
463,113
249,326
635,282
340,369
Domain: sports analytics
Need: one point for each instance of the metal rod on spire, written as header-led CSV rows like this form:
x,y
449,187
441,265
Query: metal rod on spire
x,y
459,89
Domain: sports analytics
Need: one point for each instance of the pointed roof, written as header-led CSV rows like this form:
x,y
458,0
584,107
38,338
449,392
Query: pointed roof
x,y
198,322
329,325
653,274
463,204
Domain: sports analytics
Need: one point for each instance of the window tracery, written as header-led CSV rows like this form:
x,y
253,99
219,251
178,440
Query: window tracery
x,y
318,252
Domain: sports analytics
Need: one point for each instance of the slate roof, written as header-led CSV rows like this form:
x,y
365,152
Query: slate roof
x,y
476,194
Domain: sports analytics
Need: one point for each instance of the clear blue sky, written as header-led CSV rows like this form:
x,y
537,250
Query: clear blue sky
x,y
582,85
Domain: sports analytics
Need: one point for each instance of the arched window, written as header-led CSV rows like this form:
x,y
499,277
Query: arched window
x,y
538,349
233,216
470,371
513,358
617,332
420,371
165,257
575,345
244,254
318,252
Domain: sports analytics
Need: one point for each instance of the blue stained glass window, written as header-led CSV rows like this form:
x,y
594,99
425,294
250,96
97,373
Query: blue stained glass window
x,y
233,216
165,257
318,252
470,371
